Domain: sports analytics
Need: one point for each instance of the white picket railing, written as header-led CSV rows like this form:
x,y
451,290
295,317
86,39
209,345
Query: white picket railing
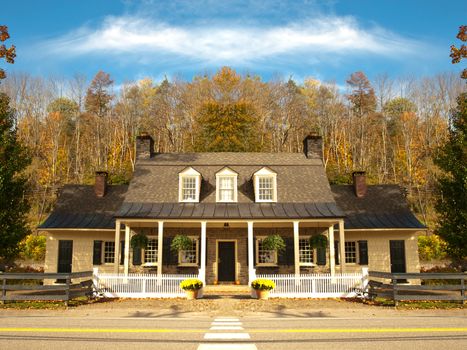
x,y
140,285
321,285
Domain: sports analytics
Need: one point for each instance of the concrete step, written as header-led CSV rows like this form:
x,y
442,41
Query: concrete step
x,y
233,288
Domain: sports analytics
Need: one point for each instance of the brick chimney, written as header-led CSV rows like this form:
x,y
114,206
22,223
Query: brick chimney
x,y
313,146
144,146
100,186
359,183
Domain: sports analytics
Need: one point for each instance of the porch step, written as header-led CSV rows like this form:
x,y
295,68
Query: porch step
x,y
210,289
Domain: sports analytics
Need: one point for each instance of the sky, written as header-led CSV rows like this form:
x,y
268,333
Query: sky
x,y
325,40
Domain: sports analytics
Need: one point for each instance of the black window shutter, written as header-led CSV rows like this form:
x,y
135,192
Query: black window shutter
x,y
166,251
290,252
282,256
199,251
254,251
122,252
336,252
97,253
137,256
363,252
321,256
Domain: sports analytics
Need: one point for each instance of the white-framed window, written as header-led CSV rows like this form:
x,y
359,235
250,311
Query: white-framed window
x,y
350,252
265,257
226,186
189,185
306,252
189,257
109,252
265,184
150,252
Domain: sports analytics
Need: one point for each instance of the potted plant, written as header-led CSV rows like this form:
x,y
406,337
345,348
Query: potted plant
x,y
191,287
262,287
139,241
319,241
181,242
274,242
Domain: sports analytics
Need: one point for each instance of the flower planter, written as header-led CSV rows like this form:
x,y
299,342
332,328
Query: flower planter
x,y
192,294
262,294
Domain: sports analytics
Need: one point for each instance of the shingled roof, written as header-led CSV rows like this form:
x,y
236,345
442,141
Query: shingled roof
x,y
383,207
78,207
303,190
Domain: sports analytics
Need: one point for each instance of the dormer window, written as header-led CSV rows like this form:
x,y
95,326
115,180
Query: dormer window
x,y
226,186
265,183
189,185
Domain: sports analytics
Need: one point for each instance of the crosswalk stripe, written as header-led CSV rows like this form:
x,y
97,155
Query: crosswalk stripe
x,y
215,323
226,336
226,328
227,347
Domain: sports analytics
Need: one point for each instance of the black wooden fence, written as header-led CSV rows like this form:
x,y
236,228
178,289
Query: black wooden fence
x,y
31,286
422,286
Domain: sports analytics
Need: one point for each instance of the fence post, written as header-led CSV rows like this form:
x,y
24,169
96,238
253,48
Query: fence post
x,y
463,289
394,290
67,290
365,280
3,289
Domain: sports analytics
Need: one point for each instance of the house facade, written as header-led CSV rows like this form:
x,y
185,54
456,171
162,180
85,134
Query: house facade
x,y
228,203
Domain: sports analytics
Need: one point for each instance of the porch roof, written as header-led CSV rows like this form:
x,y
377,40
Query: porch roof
x,y
229,210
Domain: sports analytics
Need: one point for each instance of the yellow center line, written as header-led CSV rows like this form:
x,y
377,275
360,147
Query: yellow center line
x,y
303,330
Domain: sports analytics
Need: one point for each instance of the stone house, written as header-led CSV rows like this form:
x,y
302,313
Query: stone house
x,y
227,203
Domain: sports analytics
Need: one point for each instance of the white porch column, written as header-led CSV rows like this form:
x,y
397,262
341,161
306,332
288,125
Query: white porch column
x,y
126,261
332,261
160,240
342,245
296,247
117,246
202,269
251,258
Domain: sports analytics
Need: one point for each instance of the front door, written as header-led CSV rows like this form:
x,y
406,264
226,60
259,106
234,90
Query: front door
x,y
226,261
65,255
397,252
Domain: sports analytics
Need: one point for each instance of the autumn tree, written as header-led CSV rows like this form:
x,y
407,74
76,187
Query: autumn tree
x,y
14,205
8,53
457,54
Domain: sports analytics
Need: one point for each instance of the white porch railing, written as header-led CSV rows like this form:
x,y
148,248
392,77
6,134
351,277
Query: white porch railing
x,y
324,285
140,285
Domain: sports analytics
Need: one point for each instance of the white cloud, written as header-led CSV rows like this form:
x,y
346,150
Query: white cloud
x,y
121,37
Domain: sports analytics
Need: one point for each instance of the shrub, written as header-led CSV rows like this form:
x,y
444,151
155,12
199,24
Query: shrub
x,y
274,242
33,247
263,284
440,269
191,284
319,241
431,248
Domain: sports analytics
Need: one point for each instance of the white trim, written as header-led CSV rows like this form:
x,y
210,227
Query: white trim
x,y
126,258
202,268
332,261
196,240
186,174
143,253
226,173
313,263
265,173
160,242
251,258
117,246
274,264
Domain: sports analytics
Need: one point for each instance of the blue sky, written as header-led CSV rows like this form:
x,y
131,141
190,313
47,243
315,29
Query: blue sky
x,y
327,40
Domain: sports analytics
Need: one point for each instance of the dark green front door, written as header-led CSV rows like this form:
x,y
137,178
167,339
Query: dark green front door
x,y
397,253
226,262
65,255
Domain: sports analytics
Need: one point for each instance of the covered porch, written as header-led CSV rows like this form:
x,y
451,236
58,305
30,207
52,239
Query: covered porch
x,y
229,251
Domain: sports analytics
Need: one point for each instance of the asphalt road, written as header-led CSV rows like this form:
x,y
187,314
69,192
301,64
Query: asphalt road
x,y
226,332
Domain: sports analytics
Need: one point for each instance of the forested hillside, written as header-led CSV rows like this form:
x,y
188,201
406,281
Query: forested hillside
x,y
389,128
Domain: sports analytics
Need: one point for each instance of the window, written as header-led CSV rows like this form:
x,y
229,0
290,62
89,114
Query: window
x,y
189,257
350,252
226,185
189,185
150,252
265,183
265,257
109,252
305,252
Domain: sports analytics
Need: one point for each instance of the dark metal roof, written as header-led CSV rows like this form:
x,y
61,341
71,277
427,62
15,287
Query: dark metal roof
x,y
384,206
230,211
78,207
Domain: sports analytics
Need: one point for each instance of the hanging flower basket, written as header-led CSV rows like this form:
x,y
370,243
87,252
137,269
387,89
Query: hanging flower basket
x,y
181,242
273,242
139,240
319,241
